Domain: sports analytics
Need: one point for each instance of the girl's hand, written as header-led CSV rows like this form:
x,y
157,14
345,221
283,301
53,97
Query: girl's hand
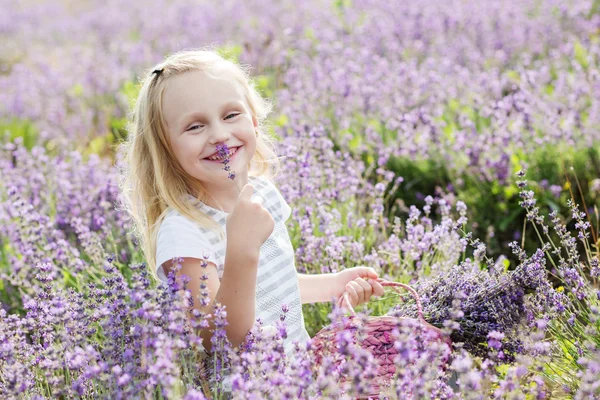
x,y
359,282
249,224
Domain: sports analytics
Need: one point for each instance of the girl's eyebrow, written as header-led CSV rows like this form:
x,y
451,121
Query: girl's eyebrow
x,y
197,114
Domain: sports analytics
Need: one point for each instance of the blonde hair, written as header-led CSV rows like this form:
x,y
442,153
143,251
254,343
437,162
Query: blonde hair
x,y
151,179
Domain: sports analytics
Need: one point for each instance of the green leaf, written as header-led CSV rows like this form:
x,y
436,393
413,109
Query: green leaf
x,y
230,52
76,90
97,145
502,369
515,161
448,131
131,91
355,142
581,54
504,223
510,191
513,76
134,36
552,204
118,127
20,128
495,188
453,105
264,85
341,4
281,120
309,33
68,278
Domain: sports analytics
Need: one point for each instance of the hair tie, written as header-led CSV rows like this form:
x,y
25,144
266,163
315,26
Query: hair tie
x,y
158,71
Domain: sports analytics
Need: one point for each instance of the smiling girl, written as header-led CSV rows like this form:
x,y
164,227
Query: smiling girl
x,y
184,206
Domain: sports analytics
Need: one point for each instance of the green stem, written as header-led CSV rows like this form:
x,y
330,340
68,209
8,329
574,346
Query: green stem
x,y
541,241
524,230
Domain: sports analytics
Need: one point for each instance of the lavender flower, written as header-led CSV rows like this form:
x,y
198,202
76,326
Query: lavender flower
x,y
490,303
224,152
495,340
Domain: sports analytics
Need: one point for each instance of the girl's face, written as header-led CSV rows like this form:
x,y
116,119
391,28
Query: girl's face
x,y
202,111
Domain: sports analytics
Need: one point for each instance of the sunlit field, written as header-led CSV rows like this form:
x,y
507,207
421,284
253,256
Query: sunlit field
x,y
453,146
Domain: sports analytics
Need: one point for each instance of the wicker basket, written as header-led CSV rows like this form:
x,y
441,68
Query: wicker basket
x,y
379,340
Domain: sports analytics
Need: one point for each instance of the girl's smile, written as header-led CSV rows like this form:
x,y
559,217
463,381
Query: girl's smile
x,y
232,153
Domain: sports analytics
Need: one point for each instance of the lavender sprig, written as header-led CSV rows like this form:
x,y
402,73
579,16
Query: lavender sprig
x,y
224,153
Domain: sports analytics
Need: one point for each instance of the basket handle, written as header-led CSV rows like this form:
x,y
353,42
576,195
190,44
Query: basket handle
x,y
343,300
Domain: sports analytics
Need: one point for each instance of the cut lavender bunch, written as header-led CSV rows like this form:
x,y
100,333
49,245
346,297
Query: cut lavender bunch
x,y
489,302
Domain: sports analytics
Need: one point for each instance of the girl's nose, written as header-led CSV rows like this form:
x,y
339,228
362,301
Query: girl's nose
x,y
221,134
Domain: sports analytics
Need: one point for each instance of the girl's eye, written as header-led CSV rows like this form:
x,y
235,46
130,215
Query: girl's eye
x,y
191,128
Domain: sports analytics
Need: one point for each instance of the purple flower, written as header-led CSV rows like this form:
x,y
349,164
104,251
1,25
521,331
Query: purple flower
x,y
495,340
224,153
489,303
556,190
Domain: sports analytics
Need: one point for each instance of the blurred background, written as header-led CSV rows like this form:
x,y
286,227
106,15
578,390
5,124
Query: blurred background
x,y
392,119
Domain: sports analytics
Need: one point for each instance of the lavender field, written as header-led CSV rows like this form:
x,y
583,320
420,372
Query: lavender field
x,y
453,146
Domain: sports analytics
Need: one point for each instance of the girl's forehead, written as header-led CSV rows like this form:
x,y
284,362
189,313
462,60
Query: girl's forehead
x,y
198,91
202,81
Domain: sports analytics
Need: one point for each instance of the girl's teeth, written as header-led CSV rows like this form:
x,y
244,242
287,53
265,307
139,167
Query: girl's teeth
x,y
217,158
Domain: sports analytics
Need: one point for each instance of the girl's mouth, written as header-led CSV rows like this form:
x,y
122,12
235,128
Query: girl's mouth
x,y
232,152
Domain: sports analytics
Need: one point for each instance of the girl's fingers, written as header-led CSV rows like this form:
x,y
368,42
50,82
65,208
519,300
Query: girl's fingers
x,y
361,290
354,297
362,294
377,288
366,287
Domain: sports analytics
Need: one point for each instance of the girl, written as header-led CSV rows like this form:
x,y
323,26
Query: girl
x,y
185,206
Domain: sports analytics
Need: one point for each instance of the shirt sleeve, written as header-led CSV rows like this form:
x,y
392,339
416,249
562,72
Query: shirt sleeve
x,y
283,209
180,237
286,210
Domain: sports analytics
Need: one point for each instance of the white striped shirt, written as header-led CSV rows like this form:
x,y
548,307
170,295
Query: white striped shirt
x,y
276,281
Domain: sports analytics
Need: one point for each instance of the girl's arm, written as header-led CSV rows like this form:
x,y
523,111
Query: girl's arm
x,y
359,282
236,290
316,288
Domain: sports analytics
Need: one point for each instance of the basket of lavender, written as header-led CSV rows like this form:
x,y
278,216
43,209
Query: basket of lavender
x,y
378,338
487,309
